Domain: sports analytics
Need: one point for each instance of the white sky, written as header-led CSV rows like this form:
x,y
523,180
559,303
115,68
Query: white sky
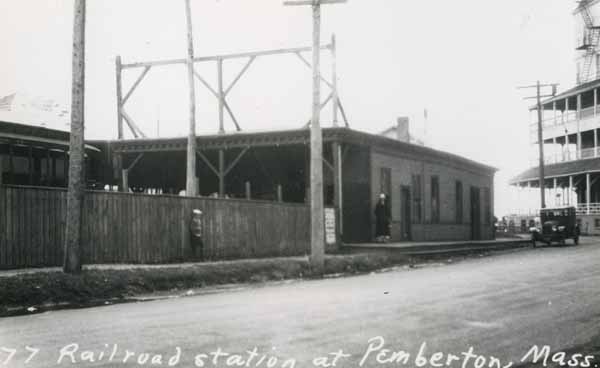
x,y
462,60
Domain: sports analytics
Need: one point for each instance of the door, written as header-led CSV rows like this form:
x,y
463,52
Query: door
x,y
475,214
405,216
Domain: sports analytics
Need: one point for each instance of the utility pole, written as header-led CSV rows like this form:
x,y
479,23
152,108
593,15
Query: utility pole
x,y
72,259
538,97
317,225
191,180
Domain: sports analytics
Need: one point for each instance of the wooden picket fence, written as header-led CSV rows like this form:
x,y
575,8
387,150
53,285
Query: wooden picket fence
x,y
139,228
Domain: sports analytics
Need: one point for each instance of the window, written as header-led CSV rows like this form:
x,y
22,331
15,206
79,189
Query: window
x,y
417,191
459,202
596,223
385,182
435,200
487,206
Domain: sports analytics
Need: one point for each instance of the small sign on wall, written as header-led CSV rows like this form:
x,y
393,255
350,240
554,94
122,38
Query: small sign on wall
x,y
330,236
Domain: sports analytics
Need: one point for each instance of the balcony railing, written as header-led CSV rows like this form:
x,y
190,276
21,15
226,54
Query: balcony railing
x,y
588,209
580,209
567,156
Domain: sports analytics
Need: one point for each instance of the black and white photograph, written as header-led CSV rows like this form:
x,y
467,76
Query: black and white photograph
x,y
299,183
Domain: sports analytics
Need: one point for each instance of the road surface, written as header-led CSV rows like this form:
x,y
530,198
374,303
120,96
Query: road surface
x,y
500,306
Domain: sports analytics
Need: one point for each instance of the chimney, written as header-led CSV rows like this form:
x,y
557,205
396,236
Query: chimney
x,y
402,130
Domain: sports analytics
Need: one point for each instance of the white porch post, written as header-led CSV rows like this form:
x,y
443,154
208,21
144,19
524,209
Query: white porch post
x,y
570,196
587,193
528,199
578,143
555,191
595,141
566,148
595,101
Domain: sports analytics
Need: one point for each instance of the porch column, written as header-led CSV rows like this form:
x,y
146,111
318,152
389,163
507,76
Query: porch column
x,y
595,141
566,149
555,191
554,151
554,112
578,148
587,192
47,181
336,150
11,164
595,101
221,173
125,180
570,196
248,191
30,165
528,194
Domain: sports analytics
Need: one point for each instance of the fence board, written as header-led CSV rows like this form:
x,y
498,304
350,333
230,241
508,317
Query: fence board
x,y
136,228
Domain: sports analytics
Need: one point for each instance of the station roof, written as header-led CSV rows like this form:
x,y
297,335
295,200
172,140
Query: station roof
x,y
290,137
558,170
34,135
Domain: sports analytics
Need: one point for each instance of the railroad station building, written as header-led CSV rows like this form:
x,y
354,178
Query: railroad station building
x,y
433,195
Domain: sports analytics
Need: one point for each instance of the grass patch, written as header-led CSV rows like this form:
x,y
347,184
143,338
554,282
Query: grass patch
x,y
94,285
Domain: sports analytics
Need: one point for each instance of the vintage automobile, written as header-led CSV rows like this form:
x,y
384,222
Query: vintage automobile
x,y
557,225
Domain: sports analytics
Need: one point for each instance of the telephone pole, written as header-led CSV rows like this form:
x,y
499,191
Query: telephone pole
x,y
317,225
72,258
538,97
191,182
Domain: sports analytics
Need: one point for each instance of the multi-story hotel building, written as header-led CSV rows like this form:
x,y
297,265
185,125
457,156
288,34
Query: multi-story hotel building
x,y
570,124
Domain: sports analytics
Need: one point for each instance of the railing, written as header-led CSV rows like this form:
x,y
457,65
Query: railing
x,y
588,209
567,156
581,209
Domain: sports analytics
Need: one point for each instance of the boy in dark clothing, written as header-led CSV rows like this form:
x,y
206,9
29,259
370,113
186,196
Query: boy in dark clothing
x,y
382,219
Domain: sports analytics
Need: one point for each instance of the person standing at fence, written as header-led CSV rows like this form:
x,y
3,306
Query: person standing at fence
x,y
196,241
382,219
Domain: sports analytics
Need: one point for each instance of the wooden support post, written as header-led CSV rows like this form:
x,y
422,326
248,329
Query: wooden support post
x,y
53,169
334,91
595,102
570,194
221,173
47,181
191,185
279,193
11,165
30,165
336,150
75,193
595,130
221,95
248,191
587,192
578,149
554,184
125,180
118,72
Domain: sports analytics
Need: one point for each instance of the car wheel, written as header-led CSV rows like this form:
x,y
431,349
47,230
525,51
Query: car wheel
x,y
562,242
